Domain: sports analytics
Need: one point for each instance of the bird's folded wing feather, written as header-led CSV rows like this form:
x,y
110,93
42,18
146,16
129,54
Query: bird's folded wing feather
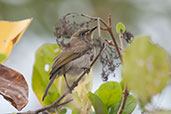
x,y
68,54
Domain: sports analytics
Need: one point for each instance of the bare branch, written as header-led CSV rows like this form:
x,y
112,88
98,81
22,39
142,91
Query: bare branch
x,y
98,25
113,38
126,93
87,16
112,44
121,39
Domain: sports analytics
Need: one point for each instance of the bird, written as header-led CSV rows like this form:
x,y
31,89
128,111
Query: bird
x,y
74,58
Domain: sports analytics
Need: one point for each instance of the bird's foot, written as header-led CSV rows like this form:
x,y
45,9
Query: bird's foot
x,y
69,88
86,69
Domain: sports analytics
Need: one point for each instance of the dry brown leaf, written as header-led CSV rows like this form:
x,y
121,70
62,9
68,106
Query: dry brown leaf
x,y
13,87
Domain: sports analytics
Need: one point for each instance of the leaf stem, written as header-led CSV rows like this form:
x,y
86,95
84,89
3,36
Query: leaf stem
x,y
126,93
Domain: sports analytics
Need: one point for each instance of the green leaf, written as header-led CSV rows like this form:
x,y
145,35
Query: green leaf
x,y
110,93
98,105
130,105
120,26
40,77
63,111
2,57
145,69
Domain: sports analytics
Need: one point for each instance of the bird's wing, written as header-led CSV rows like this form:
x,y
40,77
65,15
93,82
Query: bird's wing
x,y
69,54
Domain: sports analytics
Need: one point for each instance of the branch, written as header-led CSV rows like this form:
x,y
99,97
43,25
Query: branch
x,y
121,39
112,44
87,16
75,83
109,27
126,93
42,109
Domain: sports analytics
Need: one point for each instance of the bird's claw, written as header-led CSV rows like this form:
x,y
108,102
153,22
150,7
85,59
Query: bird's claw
x,y
86,69
69,88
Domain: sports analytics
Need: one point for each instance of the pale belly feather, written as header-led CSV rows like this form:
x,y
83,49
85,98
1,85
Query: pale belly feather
x,y
76,67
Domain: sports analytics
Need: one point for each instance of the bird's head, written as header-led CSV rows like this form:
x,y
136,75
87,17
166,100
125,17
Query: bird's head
x,y
84,33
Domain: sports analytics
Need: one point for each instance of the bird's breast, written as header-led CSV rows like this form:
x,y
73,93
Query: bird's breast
x,y
77,66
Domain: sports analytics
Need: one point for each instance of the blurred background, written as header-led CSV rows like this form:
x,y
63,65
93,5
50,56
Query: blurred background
x,y
141,17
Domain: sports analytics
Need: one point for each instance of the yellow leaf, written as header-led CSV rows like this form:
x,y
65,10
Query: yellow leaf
x,y
10,33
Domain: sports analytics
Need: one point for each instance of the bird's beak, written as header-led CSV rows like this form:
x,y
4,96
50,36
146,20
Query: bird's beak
x,y
94,28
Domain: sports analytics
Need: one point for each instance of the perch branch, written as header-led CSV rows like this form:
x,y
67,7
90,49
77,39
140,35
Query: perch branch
x,y
121,39
112,44
125,91
109,27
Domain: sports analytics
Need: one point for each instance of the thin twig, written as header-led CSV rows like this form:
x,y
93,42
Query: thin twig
x,y
105,29
98,25
87,16
76,82
43,109
121,39
113,38
53,106
109,20
126,93
112,44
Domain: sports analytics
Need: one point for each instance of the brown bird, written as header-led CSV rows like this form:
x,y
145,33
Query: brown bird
x,y
75,57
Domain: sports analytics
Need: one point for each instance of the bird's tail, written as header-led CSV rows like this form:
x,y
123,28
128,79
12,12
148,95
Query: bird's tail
x,y
47,88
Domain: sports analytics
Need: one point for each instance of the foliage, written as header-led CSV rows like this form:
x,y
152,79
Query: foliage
x,y
110,93
146,68
10,34
98,104
11,80
13,86
107,99
120,27
44,55
2,57
130,105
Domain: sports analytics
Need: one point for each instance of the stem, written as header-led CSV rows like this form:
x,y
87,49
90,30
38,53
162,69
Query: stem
x,y
109,27
121,40
116,45
126,93
52,106
98,27
87,16
112,44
